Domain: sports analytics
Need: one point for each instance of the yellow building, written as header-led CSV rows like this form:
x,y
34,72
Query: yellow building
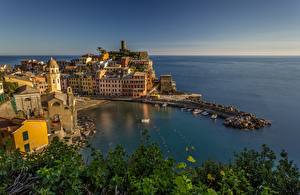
x,y
82,84
25,135
104,56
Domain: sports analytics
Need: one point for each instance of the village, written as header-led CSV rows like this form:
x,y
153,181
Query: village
x,y
42,100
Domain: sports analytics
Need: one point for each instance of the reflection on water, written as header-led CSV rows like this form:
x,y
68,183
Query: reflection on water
x,y
120,123
172,129
146,111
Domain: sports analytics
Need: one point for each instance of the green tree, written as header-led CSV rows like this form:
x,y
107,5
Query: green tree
x,y
286,176
9,88
60,169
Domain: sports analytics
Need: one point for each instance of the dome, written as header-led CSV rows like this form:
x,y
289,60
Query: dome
x,y
52,63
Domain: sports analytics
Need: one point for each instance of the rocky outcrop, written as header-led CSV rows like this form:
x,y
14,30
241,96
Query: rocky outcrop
x,y
246,121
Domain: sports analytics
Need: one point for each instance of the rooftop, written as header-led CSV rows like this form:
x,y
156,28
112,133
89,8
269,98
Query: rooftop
x,y
10,124
52,63
139,74
25,89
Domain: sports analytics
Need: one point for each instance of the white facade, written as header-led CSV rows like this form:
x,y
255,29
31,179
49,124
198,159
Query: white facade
x,y
1,88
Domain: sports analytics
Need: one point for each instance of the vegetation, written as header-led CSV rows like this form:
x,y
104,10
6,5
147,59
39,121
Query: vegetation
x,y
10,88
60,169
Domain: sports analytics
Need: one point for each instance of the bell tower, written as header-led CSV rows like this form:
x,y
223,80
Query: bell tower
x,y
70,95
53,76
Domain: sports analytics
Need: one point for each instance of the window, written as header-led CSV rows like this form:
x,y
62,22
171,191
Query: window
x,y
27,147
25,135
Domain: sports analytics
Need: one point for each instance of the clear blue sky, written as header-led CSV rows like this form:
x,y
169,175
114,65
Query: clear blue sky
x,y
187,27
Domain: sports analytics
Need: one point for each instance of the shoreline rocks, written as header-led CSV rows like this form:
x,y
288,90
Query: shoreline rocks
x,y
246,121
86,127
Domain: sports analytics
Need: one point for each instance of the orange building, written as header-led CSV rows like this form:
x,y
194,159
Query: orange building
x,y
40,83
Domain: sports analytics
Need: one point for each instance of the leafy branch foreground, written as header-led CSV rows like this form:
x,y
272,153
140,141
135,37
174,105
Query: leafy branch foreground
x,y
60,169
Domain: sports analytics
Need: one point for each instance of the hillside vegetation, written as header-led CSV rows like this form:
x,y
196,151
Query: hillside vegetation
x,y
60,169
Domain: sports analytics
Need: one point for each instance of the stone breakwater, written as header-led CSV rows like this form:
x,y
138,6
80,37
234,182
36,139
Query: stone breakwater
x,y
233,117
246,121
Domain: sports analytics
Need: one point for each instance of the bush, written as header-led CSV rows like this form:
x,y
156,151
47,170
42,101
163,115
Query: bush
x,y
60,169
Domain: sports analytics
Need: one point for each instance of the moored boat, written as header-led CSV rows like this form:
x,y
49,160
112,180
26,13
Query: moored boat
x,y
214,116
204,113
165,105
197,111
145,120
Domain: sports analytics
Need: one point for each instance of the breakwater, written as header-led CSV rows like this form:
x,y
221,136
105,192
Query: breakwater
x,y
233,117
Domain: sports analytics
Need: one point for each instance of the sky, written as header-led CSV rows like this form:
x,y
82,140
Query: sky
x,y
161,27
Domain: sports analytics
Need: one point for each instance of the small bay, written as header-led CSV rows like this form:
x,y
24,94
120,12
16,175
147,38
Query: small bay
x,y
266,86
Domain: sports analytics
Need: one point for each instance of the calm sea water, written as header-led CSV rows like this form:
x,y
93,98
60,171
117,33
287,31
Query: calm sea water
x,y
266,86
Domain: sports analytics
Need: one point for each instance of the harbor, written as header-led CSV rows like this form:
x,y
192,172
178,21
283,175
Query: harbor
x,y
232,116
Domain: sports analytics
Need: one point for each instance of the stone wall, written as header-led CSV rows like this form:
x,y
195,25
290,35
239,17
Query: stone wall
x,y
6,110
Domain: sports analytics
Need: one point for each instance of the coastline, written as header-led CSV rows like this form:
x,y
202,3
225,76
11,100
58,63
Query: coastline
x,y
85,103
85,125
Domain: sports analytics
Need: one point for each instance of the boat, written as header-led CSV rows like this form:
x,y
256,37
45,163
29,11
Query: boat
x,y
204,113
165,105
145,120
183,109
197,111
157,105
214,116
189,109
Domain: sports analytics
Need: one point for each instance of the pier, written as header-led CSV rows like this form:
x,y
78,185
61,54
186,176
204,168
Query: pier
x,y
233,117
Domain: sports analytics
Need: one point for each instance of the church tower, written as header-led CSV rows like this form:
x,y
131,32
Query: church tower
x,y
70,97
53,76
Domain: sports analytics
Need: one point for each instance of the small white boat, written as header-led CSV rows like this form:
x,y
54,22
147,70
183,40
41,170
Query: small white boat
x,y
189,109
183,109
145,120
197,111
214,116
165,105
205,113
157,105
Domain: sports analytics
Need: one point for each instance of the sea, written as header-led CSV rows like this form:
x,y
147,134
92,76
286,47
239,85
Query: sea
x,y
266,86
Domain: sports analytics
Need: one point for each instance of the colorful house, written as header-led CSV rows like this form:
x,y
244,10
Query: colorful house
x,y
26,135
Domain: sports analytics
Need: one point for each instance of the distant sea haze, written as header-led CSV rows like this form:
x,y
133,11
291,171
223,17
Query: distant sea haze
x,y
266,86
14,60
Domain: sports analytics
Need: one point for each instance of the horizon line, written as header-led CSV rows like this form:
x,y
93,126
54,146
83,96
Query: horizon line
x,y
241,55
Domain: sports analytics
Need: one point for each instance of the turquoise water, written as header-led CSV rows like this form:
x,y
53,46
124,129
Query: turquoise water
x,y
266,86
